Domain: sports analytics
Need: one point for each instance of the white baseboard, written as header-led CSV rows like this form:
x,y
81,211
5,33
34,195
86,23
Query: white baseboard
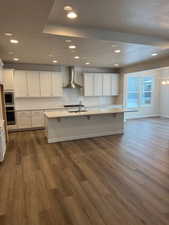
x,y
71,138
142,116
164,116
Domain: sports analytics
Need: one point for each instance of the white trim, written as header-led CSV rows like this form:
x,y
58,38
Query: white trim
x,y
1,63
164,116
144,116
70,138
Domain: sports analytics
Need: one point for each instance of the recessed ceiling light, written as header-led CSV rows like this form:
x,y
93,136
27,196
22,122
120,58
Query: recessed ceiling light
x,y
154,54
67,8
9,34
117,51
87,63
116,65
71,15
76,57
163,82
68,41
14,41
55,61
16,59
72,46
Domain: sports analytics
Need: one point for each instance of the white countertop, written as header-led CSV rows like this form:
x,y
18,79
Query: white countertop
x,y
61,107
52,115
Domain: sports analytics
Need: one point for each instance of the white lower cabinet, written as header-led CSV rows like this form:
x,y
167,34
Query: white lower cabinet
x,y
28,119
24,119
37,119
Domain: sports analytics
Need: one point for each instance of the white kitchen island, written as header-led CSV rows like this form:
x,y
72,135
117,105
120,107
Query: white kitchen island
x,y
64,126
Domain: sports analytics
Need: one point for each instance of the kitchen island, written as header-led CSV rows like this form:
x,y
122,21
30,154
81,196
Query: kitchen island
x,y
65,126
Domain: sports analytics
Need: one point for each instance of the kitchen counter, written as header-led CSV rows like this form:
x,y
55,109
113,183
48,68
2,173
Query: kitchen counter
x,y
61,108
66,126
52,115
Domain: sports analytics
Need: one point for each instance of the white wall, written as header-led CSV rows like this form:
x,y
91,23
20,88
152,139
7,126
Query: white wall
x,y
164,93
154,108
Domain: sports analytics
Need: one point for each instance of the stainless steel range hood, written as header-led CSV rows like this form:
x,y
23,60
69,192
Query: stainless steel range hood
x,y
72,83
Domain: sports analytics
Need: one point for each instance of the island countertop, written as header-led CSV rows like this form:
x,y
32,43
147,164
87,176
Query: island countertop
x,y
52,115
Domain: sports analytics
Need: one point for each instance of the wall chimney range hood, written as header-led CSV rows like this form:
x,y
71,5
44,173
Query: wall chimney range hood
x,y
72,83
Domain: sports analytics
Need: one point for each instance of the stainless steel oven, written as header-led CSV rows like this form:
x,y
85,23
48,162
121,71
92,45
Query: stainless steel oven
x,y
10,114
9,98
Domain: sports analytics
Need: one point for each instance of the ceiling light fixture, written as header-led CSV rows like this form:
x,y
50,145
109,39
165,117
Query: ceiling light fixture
x,y
14,41
154,54
55,61
67,8
16,59
87,63
163,82
76,57
72,15
116,65
72,46
117,51
9,34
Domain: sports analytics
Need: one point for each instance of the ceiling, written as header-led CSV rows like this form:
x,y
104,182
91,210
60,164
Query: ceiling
x,y
137,28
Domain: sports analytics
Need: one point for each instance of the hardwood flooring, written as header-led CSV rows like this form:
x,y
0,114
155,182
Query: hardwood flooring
x,y
114,180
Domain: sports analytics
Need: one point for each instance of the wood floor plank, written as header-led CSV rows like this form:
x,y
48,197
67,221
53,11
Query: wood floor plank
x,y
112,180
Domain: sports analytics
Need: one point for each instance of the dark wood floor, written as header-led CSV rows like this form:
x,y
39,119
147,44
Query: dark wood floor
x,y
115,180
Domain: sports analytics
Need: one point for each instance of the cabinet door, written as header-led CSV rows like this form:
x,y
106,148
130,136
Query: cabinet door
x,y
57,84
24,119
115,84
107,84
37,119
88,84
8,79
20,83
98,85
45,84
33,83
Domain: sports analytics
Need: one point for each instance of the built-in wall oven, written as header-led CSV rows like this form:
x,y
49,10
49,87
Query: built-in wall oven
x,y
9,98
10,114
10,107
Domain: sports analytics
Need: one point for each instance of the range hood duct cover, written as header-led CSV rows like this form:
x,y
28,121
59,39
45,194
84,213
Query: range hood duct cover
x,y
72,83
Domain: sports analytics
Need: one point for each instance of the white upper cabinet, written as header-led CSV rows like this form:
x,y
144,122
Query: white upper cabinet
x,y
115,84
88,84
20,83
38,84
98,84
33,83
57,84
8,79
45,84
107,84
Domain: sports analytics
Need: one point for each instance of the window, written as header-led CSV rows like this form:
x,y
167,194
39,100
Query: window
x,y
133,92
147,90
139,91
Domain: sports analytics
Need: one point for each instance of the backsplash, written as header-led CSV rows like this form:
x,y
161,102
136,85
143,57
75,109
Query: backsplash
x,y
71,96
